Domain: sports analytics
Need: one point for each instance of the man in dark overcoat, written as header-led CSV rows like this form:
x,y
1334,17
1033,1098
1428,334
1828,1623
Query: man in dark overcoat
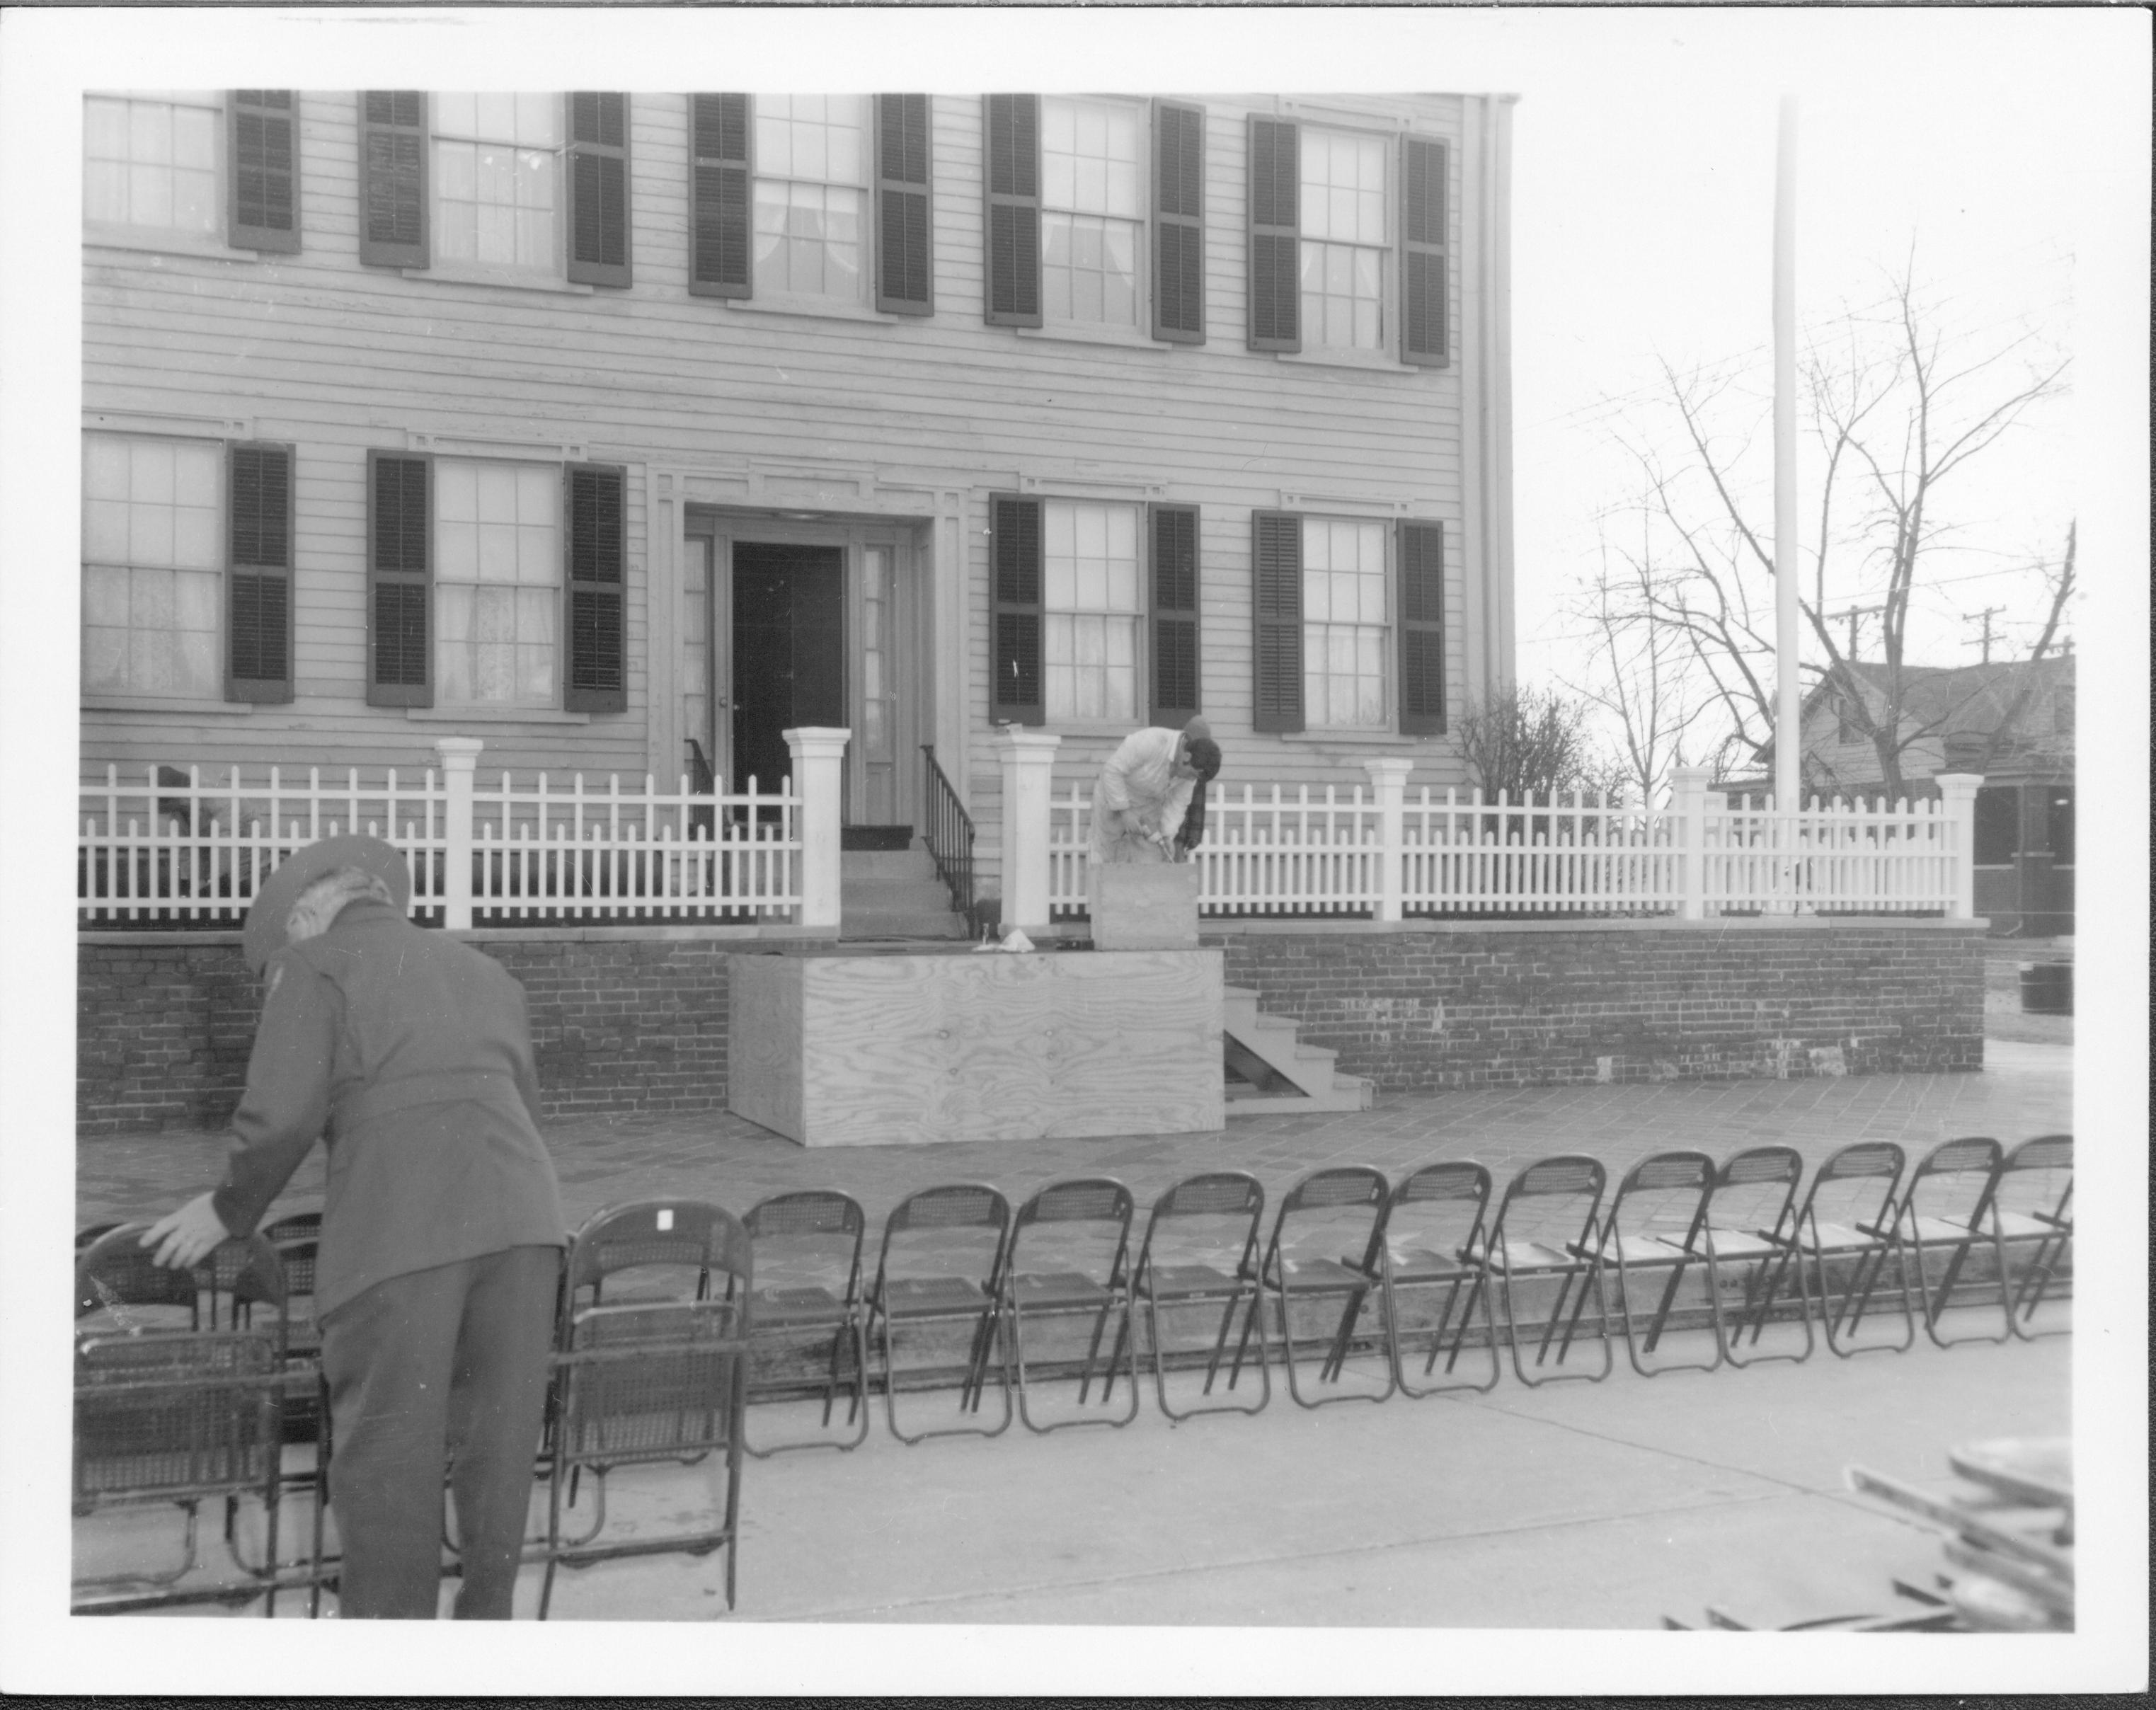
x,y
442,1230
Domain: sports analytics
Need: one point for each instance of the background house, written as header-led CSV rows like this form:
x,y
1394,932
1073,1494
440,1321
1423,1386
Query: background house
x,y
626,431
2011,722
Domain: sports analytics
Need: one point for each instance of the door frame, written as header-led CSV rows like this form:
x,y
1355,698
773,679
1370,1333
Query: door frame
x,y
907,653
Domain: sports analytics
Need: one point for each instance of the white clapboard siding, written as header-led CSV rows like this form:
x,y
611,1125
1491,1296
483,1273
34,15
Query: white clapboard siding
x,y
336,358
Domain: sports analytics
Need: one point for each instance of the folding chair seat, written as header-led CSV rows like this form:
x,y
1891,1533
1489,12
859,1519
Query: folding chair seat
x,y
1653,1233
1431,1217
1070,1223
2032,1202
179,1415
1945,1211
814,1233
84,1237
1751,1214
300,1227
1544,1232
1203,1219
963,1228
1294,1269
649,1380
1846,1222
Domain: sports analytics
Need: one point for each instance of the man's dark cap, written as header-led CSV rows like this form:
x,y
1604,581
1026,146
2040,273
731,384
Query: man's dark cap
x,y
264,935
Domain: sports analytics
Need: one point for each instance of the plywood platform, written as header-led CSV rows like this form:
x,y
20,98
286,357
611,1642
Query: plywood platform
x,y
911,1049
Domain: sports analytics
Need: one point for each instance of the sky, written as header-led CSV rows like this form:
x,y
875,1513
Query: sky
x,y
2011,142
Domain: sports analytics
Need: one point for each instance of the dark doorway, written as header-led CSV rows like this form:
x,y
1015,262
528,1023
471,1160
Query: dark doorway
x,y
789,647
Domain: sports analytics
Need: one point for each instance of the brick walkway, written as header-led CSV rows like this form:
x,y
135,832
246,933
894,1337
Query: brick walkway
x,y
2025,1089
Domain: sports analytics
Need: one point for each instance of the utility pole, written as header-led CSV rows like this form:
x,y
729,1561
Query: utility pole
x,y
1853,613
1984,618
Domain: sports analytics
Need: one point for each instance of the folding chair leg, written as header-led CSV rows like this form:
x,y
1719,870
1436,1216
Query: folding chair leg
x,y
1160,1362
1727,1342
1935,1302
1632,1346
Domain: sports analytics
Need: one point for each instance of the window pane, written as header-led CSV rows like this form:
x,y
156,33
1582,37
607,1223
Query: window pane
x,y
153,161
495,175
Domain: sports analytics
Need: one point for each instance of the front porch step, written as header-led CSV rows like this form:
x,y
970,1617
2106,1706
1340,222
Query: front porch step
x,y
887,894
1303,1077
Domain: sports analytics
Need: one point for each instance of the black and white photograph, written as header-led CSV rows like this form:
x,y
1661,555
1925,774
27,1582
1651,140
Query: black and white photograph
x,y
1240,856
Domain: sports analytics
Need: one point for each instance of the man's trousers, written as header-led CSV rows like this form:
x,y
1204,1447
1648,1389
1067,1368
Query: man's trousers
x,y
442,1369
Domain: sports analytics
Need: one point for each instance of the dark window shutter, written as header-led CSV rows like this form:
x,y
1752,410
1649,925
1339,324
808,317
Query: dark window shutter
x,y
1173,586
719,138
905,256
259,584
399,534
1012,125
1276,607
1422,628
1014,547
1423,318
598,676
1178,223
1276,235
392,178
598,188
262,139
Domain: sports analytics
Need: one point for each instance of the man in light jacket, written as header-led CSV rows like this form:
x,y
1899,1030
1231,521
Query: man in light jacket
x,y
1141,805
440,1249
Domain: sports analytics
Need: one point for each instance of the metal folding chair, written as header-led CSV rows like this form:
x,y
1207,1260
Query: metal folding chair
x,y
1847,1224
644,1381
813,1233
1945,1212
2032,1202
179,1415
1751,1217
962,1229
1653,1232
1070,1224
1431,1218
1546,1221
1213,1214
1353,1195
672,1244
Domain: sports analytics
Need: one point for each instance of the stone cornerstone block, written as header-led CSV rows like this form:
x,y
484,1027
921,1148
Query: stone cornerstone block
x,y
1145,907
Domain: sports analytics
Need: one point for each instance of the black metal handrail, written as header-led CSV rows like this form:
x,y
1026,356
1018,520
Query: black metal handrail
x,y
949,836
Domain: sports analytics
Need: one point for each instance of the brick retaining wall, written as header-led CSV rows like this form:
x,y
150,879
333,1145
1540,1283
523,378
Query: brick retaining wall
x,y
636,1021
1459,1006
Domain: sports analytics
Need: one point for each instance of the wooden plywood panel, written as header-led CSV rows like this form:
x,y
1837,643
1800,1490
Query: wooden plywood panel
x,y
763,1042
888,1050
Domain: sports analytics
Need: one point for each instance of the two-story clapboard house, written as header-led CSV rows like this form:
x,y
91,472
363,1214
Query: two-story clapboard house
x,y
625,431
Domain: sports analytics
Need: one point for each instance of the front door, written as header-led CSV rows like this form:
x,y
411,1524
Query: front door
x,y
789,652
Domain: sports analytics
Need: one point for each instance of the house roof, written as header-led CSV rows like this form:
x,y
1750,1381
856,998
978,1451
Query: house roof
x,y
1960,704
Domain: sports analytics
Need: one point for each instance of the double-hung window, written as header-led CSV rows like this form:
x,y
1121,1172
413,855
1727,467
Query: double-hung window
x,y
1095,215
813,202
205,170
1348,631
1095,618
1348,239
186,569
521,188
1093,212
811,164
494,584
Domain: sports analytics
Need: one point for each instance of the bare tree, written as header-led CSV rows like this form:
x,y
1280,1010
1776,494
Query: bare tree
x,y
1525,741
2063,589
1898,409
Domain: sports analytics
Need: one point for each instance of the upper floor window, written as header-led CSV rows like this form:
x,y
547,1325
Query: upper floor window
x,y
811,187
1344,240
197,168
1348,243
1093,212
497,180
521,188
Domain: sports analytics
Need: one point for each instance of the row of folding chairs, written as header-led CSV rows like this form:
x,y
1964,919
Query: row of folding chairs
x,y
190,1383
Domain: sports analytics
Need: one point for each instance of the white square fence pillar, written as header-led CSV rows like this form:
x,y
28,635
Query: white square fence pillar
x,y
819,752
1958,803
1027,759
1388,783
459,765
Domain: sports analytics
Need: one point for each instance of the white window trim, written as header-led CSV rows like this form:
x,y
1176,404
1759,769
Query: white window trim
x,y
862,306
1386,356
1139,334
477,712
1389,731
151,426
515,278
103,701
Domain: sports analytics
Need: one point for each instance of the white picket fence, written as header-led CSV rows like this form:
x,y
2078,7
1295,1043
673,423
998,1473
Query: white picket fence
x,y
526,849
1276,852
